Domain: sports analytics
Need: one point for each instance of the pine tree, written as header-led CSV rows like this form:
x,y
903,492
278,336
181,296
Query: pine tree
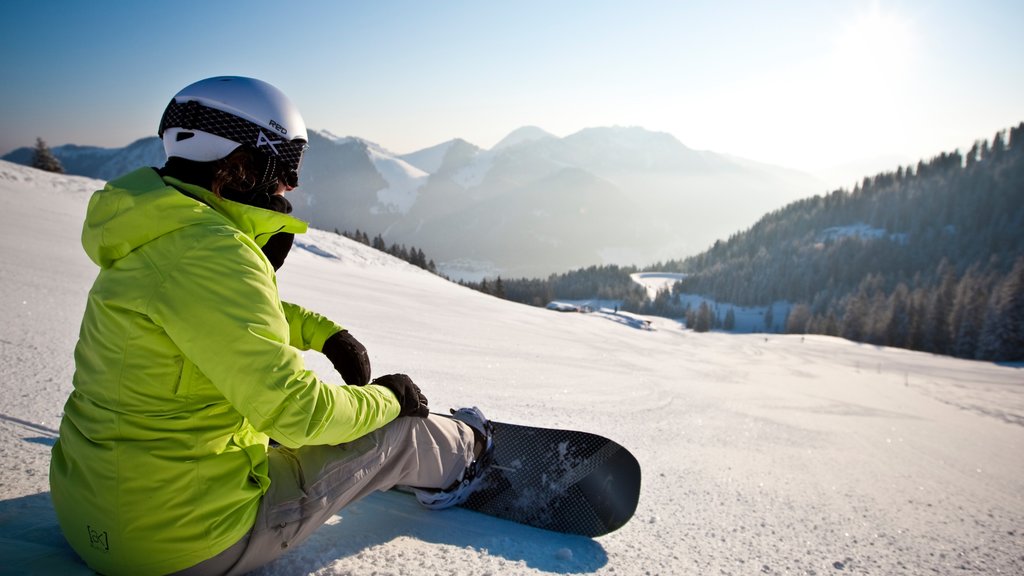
x,y
798,320
1002,338
855,317
730,320
703,320
897,330
938,331
831,326
43,158
969,314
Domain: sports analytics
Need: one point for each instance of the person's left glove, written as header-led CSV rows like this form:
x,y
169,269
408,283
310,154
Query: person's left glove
x,y
349,357
410,397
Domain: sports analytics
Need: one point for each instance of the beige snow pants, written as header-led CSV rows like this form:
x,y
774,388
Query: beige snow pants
x,y
309,485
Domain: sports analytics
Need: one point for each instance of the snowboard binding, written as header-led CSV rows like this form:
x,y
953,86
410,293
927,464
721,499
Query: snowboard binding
x,y
458,493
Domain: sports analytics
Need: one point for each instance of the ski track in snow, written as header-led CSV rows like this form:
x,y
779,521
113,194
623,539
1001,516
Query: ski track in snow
x,y
760,454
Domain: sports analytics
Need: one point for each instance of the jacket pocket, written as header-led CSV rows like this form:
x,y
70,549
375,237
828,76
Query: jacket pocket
x,y
183,387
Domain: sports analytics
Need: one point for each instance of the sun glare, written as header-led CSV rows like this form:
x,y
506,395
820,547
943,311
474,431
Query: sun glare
x,y
878,43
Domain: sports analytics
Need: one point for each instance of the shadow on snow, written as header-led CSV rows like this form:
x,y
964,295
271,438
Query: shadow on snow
x,y
31,542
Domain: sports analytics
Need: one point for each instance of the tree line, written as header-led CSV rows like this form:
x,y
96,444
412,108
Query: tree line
x,y
412,255
593,283
936,262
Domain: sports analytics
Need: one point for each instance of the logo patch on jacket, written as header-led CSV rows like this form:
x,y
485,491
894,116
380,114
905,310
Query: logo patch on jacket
x,y
98,540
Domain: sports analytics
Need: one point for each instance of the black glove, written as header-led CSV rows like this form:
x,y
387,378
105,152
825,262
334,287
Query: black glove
x,y
410,398
349,358
276,249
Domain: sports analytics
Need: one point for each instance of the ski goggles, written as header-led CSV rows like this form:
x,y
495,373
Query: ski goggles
x,y
192,115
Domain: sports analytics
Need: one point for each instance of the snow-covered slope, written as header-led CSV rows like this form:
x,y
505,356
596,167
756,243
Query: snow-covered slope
x,y
760,455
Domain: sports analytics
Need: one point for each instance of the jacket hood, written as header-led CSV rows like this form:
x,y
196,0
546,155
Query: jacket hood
x,y
141,206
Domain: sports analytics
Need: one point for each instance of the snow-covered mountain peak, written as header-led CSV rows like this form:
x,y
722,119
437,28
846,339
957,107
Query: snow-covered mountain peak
x,y
342,140
522,135
332,136
431,159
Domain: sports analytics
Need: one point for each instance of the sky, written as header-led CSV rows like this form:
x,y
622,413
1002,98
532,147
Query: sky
x,y
816,86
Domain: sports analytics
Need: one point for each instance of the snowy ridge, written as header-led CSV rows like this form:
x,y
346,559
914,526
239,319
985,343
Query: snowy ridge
x,y
430,159
331,246
521,136
760,454
403,179
17,177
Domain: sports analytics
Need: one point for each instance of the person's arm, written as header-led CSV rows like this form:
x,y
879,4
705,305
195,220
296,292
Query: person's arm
x,y
220,306
312,331
308,330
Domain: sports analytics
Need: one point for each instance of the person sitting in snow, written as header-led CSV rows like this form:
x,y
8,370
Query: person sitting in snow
x,y
188,364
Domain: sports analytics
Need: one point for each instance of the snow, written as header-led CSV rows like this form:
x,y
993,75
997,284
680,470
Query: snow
x,y
859,230
403,179
655,282
429,159
747,319
761,455
864,232
473,174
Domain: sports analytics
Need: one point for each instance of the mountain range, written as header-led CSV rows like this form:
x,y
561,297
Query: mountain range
x,y
531,205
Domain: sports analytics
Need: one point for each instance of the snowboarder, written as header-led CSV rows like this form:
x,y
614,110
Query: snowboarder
x,y
188,365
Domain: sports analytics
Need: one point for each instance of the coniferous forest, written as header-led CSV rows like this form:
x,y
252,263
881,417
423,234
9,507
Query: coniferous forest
x,y
928,257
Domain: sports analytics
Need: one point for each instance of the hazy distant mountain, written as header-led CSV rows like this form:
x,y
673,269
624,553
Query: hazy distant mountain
x,y
96,162
602,195
532,205
430,159
522,135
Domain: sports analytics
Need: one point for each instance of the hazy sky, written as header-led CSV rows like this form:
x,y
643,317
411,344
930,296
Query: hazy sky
x,y
804,84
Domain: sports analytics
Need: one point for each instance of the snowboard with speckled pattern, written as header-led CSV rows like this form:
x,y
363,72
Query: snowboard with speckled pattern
x,y
560,480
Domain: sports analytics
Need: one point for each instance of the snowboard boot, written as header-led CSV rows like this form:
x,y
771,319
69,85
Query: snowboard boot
x,y
458,493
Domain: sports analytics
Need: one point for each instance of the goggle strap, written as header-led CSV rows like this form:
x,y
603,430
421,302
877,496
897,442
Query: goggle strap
x,y
192,115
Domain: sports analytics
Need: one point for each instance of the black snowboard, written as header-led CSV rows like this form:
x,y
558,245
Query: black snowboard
x,y
561,480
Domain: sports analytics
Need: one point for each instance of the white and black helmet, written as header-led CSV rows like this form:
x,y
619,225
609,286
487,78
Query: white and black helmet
x,y
209,119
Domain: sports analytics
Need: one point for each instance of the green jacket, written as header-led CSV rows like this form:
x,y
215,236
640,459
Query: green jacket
x,y
187,361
